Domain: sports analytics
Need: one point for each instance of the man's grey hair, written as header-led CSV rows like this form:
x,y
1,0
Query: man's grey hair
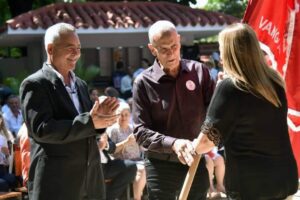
x,y
54,32
160,27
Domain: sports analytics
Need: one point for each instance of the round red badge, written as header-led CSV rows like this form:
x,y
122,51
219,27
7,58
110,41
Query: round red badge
x,y
190,85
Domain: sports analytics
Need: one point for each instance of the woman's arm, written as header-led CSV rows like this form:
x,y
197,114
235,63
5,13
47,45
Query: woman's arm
x,y
129,140
203,144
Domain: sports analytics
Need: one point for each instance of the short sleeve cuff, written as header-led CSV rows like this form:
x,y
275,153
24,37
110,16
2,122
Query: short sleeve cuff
x,y
212,133
168,143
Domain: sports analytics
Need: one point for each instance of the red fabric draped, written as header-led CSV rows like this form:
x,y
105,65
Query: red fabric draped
x,y
292,79
277,25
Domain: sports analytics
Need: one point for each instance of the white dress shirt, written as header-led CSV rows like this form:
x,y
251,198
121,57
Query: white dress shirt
x,y
72,89
13,123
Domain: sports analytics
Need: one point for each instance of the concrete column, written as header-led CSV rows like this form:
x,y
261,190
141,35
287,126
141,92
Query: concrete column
x,y
36,55
147,54
134,57
124,56
106,61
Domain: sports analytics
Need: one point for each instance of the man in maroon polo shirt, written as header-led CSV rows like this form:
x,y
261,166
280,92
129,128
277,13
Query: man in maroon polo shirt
x,y
170,100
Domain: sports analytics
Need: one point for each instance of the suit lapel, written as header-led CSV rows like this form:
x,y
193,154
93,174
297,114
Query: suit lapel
x,y
59,87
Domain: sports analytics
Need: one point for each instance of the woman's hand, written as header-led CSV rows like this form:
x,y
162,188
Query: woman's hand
x,y
102,143
130,139
202,144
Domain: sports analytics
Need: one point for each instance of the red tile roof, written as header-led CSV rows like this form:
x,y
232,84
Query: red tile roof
x,y
116,15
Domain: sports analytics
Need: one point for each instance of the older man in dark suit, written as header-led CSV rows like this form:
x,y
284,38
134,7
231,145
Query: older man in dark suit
x,y
63,124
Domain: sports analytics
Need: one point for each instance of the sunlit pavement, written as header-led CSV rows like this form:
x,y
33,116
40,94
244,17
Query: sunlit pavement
x,y
295,197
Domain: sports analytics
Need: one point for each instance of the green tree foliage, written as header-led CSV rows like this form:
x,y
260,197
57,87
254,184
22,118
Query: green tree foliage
x,y
15,81
10,8
4,12
87,73
40,3
182,2
11,52
231,7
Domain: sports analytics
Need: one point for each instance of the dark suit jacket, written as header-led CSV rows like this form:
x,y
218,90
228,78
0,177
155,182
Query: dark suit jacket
x,y
64,153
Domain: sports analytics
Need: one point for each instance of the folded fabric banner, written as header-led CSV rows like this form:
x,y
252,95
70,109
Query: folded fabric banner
x,y
277,25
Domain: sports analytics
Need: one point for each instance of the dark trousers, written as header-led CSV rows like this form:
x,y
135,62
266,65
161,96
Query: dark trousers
x,y
165,180
121,173
7,181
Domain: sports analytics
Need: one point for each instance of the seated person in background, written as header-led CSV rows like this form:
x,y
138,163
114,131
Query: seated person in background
x,y
145,64
129,102
121,132
112,92
119,172
126,84
118,74
94,94
13,118
5,92
7,180
216,168
210,63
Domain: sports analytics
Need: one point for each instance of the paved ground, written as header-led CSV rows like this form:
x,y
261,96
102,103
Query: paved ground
x,y
295,197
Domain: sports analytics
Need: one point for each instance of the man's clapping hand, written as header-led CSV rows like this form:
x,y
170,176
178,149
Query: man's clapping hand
x,y
103,114
108,106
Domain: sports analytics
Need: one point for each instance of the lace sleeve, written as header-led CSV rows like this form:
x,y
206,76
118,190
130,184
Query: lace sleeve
x,y
212,133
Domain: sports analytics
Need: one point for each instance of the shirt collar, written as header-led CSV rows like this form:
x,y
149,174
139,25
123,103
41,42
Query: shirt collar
x,y
11,113
71,74
159,73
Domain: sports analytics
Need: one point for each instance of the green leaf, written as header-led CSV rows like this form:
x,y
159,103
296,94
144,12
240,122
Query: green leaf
x,y
15,82
86,73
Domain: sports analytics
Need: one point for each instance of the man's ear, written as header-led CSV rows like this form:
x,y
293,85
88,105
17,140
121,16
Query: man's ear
x,y
152,49
50,49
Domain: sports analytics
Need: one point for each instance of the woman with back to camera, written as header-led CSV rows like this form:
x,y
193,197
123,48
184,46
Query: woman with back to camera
x,y
248,115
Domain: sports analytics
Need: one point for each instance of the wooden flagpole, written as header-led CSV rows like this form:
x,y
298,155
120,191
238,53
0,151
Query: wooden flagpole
x,y
189,178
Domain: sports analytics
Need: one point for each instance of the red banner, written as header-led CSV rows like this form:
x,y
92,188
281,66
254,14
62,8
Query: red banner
x,y
277,25
292,79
